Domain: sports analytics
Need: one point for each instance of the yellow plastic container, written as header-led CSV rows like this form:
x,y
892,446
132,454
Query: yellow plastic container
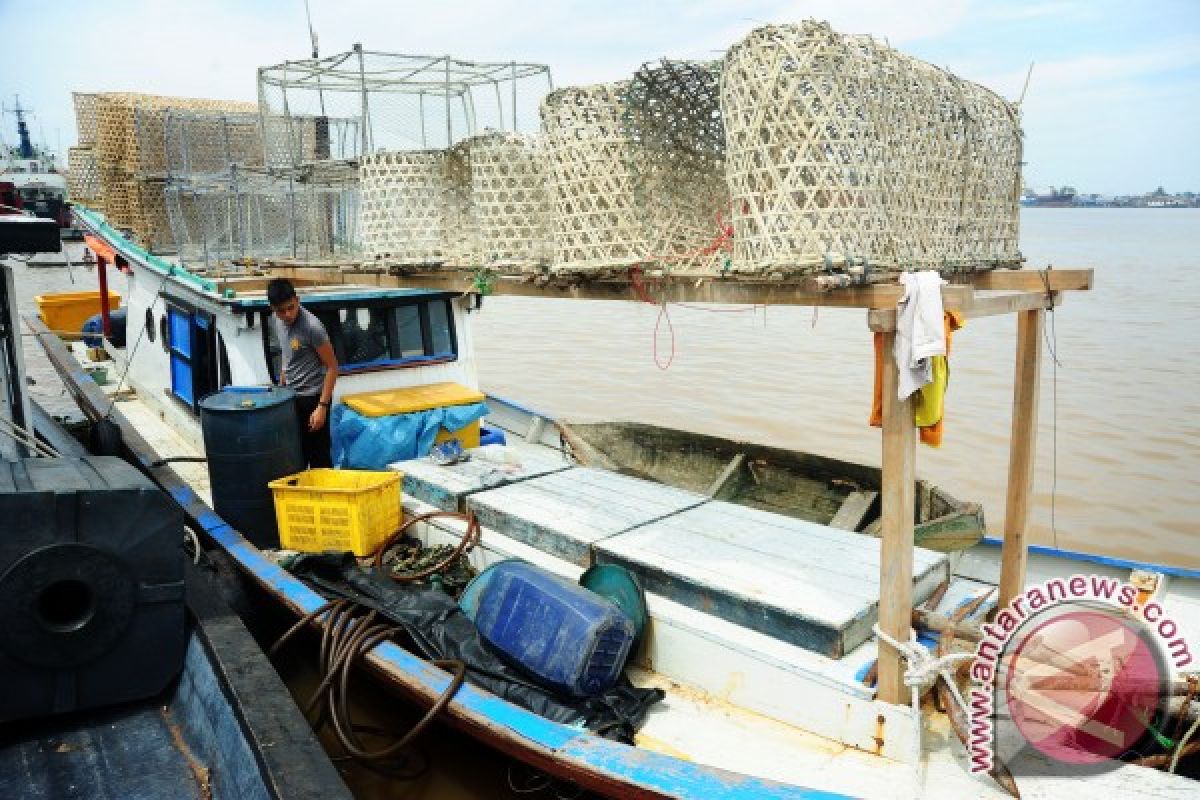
x,y
336,509
412,399
468,435
65,312
421,398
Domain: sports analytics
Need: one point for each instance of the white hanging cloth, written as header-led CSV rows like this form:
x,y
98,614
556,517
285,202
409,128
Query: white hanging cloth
x,y
920,332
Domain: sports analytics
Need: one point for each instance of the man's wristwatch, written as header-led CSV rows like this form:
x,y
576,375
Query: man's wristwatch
x,y
323,403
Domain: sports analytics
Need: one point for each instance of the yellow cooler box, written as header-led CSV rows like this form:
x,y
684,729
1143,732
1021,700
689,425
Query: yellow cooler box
x,y
65,312
421,398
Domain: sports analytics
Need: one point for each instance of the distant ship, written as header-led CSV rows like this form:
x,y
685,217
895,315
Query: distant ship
x,y
30,180
1057,198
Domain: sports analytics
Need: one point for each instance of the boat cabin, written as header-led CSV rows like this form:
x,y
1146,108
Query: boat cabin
x,y
188,336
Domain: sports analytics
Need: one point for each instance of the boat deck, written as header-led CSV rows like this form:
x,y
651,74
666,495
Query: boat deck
x,y
812,720
804,583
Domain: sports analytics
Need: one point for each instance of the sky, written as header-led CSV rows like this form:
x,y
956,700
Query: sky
x,y
1112,106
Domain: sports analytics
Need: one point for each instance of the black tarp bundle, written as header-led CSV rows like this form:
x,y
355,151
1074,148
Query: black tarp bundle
x,y
438,629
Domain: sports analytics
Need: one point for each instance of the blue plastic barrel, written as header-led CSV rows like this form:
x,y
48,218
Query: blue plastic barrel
x,y
250,438
565,636
94,325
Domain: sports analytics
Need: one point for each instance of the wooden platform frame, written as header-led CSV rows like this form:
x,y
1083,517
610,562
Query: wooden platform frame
x,y
1027,293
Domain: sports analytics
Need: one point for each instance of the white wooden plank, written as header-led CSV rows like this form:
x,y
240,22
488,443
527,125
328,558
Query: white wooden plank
x,y
807,584
567,512
447,487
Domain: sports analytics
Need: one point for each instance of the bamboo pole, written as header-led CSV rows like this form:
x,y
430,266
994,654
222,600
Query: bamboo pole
x,y
1015,551
896,557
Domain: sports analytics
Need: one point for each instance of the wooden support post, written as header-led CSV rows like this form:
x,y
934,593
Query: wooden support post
x,y
896,557
102,273
1021,454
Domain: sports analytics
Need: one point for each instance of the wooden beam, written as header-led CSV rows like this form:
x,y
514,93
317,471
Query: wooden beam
x,y
896,556
1030,280
1015,551
980,305
674,288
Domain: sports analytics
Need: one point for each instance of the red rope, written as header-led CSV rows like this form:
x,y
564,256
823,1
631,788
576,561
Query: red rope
x,y
722,242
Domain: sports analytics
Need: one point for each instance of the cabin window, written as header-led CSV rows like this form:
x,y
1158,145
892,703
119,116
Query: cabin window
x,y
190,339
406,324
441,334
378,335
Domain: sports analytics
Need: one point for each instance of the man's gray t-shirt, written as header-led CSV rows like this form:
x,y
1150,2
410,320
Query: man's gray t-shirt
x,y
302,367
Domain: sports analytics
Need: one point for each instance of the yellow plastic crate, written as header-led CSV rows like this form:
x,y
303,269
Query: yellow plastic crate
x,y
336,509
65,312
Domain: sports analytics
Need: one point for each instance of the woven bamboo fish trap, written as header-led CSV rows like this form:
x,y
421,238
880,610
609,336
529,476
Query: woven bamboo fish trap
x,y
509,201
592,169
842,150
404,208
206,143
148,216
674,115
85,117
460,229
83,178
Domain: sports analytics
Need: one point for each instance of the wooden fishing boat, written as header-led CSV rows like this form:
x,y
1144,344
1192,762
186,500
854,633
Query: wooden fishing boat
x,y
807,486
761,623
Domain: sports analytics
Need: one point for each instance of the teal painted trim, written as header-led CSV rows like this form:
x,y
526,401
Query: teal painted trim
x,y
97,224
382,293
1108,561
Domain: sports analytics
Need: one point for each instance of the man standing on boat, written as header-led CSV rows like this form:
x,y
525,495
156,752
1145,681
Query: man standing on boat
x,y
309,368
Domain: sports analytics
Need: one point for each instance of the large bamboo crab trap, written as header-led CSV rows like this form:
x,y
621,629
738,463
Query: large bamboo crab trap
x,y
674,116
637,172
405,119
509,205
593,165
843,151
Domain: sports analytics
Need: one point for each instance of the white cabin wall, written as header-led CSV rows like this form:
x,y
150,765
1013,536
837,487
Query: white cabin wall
x,y
244,347
151,370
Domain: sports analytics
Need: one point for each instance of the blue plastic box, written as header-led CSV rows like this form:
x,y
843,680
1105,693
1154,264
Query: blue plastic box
x,y
567,637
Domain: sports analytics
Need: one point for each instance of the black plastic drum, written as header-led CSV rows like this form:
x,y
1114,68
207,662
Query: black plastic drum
x,y
250,438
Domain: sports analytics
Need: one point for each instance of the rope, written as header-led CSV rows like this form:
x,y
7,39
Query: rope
x,y
1182,744
922,673
28,439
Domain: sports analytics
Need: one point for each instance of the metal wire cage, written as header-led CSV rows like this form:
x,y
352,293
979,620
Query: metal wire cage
x,y
361,102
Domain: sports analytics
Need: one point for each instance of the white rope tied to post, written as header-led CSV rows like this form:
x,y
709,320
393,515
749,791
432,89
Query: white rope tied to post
x,y
922,671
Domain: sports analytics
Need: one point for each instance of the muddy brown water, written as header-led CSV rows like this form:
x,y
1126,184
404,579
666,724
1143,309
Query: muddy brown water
x,y
1118,458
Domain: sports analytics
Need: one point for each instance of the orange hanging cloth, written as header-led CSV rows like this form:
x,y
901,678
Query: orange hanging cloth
x,y
930,396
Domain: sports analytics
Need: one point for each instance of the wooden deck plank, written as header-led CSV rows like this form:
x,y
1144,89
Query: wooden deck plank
x,y
566,513
807,584
448,487
855,507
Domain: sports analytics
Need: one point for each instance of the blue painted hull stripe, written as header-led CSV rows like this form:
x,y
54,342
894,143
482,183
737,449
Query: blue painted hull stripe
x,y
645,769
1108,561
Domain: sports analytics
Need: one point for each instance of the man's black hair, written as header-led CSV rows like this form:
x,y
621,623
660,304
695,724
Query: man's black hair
x,y
279,291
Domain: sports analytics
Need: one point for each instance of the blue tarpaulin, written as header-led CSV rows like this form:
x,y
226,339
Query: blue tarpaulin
x,y
361,442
